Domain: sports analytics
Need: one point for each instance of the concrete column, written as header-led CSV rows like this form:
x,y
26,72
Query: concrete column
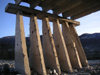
x,y
21,57
71,47
80,49
51,58
36,53
61,48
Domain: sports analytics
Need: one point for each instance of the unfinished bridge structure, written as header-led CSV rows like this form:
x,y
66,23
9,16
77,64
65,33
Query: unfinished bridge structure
x,y
61,50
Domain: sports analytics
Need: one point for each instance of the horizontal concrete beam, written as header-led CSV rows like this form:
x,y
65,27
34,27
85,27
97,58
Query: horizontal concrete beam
x,y
86,12
26,11
85,6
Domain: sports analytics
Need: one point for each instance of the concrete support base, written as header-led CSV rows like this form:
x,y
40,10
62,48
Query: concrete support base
x,y
61,48
36,53
70,44
79,47
21,57
51,58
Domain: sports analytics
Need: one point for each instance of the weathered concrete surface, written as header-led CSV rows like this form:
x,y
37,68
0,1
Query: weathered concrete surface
x,y
51,58
71,47
21,57
79,47
36,53
61,48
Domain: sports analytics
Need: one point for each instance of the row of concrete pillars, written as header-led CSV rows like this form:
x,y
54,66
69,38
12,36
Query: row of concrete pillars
x,y
61,51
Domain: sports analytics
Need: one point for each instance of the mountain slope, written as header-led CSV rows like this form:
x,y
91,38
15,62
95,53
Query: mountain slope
x,y
90,43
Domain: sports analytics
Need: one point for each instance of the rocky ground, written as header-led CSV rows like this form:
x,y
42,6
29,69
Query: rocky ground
x,y
7,68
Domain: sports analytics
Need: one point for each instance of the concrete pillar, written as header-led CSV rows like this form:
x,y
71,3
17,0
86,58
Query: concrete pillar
x,y
71,47
36,53
21,57
51,58
80,49
61,48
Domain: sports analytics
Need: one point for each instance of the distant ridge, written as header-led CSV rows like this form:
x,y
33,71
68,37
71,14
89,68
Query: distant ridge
x,y
90,43
88,36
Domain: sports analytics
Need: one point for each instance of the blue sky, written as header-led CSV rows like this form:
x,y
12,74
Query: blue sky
x,y
88,24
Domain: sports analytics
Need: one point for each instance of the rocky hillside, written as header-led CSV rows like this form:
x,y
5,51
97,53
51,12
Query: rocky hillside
x,y
7,45
90,42
91,45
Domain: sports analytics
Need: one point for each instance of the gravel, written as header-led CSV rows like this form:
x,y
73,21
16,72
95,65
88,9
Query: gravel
x,y
9,68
